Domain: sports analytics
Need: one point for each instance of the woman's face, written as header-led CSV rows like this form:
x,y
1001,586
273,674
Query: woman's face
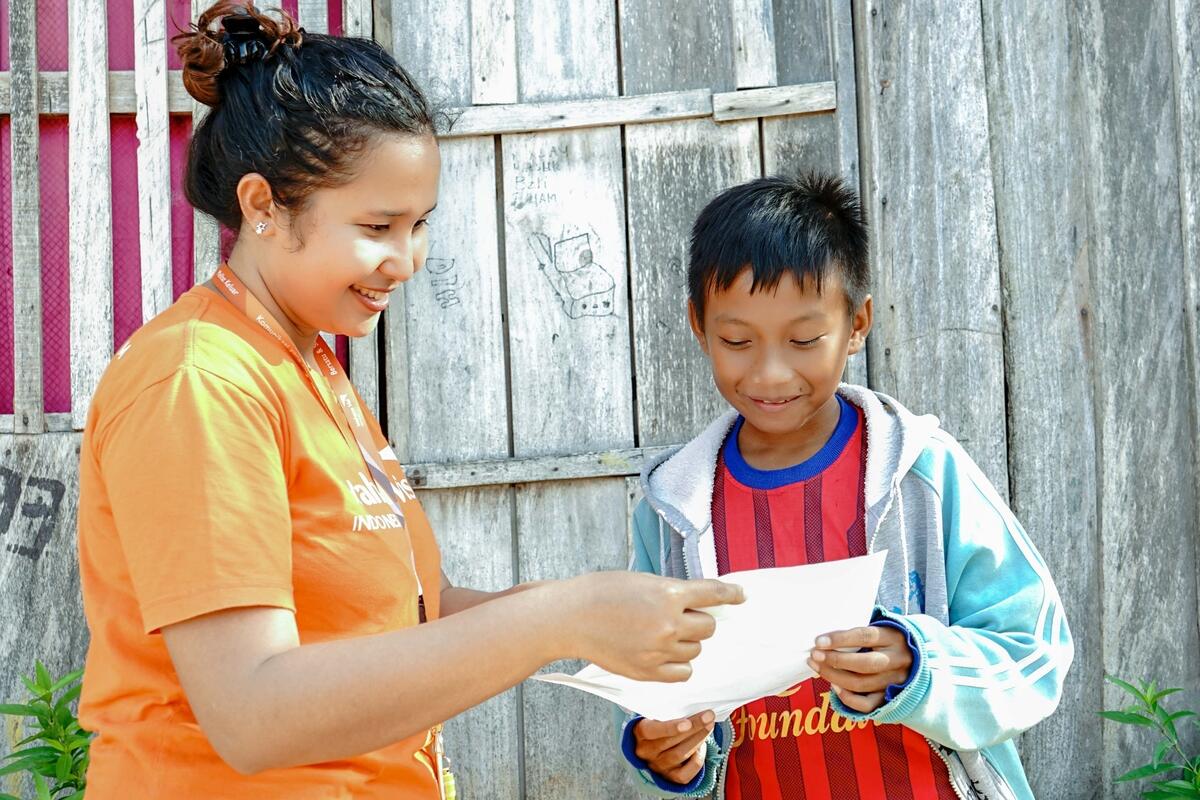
x,y
336,265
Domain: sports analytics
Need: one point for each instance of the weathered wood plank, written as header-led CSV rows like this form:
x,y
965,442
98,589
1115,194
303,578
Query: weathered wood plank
x,y
438,58
673,45
357,18
153,154
775,101
567,291
566,51
28,405
313,15
754,43
493,51
1144,412
91,207
1185,35
600,112
1043,267
674,170
42,613
566,529
531,470
569,355
937,341
457,411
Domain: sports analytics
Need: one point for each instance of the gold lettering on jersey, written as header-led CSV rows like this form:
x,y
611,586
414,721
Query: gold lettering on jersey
x,y
817,721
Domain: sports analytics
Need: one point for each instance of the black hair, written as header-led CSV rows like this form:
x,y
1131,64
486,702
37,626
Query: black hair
x,y
295,107
810,226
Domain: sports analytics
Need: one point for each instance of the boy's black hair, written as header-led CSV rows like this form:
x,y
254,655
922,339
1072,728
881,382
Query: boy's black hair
x,y
811,226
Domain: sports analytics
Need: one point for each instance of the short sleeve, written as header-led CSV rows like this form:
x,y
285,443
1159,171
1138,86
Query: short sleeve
x,y
194,472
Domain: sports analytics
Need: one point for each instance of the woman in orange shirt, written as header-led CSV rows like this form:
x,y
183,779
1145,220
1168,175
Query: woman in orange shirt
x,y
255,566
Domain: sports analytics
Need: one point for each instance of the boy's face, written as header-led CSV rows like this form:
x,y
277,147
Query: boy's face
x,y
778,355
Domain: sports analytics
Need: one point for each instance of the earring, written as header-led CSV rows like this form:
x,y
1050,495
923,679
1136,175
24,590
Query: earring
x,y
260,227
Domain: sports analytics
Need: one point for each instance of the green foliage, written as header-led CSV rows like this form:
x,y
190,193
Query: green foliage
x,y
56,749
1175,774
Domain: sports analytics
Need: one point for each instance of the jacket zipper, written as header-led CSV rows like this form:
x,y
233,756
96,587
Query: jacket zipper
x,y
949,772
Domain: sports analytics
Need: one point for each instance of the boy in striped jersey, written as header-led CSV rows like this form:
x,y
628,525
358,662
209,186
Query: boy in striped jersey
x,y
968,645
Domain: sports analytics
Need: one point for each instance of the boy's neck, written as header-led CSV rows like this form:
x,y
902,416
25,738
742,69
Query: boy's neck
x,y
770,450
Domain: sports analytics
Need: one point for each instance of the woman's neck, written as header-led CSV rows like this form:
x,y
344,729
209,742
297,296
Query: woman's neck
x,y
305,340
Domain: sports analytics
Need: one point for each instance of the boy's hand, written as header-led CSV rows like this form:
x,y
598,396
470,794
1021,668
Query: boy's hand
x,y
675,748
860,678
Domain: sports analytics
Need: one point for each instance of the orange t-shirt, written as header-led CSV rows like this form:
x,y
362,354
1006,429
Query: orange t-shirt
x,y
212,477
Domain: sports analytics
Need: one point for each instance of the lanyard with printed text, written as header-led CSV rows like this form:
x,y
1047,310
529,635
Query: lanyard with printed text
x,y
383,470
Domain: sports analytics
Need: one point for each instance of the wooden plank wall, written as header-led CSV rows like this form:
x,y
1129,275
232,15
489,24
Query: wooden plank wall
x,y
1031,173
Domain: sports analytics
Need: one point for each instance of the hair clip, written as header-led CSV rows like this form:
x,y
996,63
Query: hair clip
x,y
242,40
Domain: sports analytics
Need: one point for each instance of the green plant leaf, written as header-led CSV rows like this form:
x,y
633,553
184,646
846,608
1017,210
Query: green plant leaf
x,y
1161,751
17,710
44,681
4,796
1128,717
18,766
1146,772
1126,687
68,697
1177,788
63,768
43,793
77,674
42,751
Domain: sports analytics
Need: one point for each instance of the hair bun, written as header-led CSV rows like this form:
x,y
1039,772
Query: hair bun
x,y
226,35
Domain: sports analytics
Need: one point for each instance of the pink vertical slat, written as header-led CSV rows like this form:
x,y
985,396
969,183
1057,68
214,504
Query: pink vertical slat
x,y
292,7
120,35
335,17
54,218
127,273
52,43
6,263
182,252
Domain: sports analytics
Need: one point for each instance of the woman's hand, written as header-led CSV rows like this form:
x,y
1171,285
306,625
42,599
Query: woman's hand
x,y
643,626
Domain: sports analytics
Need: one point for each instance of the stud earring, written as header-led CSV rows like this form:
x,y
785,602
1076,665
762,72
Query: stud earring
x,y
260,227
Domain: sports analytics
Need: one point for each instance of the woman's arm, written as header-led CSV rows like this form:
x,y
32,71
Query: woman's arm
x,y
459,598
265,701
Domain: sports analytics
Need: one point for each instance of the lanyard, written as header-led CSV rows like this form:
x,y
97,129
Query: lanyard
x,y
384,471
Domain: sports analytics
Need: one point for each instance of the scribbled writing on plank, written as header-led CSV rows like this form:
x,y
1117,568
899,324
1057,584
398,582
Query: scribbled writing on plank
x,y
35,499
445,281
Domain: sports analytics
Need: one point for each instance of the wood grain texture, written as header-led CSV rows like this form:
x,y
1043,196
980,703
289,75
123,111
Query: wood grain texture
x,y
673,171
673,45
1144,413
530,470
493,51
26,242
775,101
754,61
568,298
153,154
313,15
42,613
564,115
937,343
1040,214
1185,35
566,51
357,18
91,209
432,40
570,738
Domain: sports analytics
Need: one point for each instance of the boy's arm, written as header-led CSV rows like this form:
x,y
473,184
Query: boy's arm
x,y
646,558
998,667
